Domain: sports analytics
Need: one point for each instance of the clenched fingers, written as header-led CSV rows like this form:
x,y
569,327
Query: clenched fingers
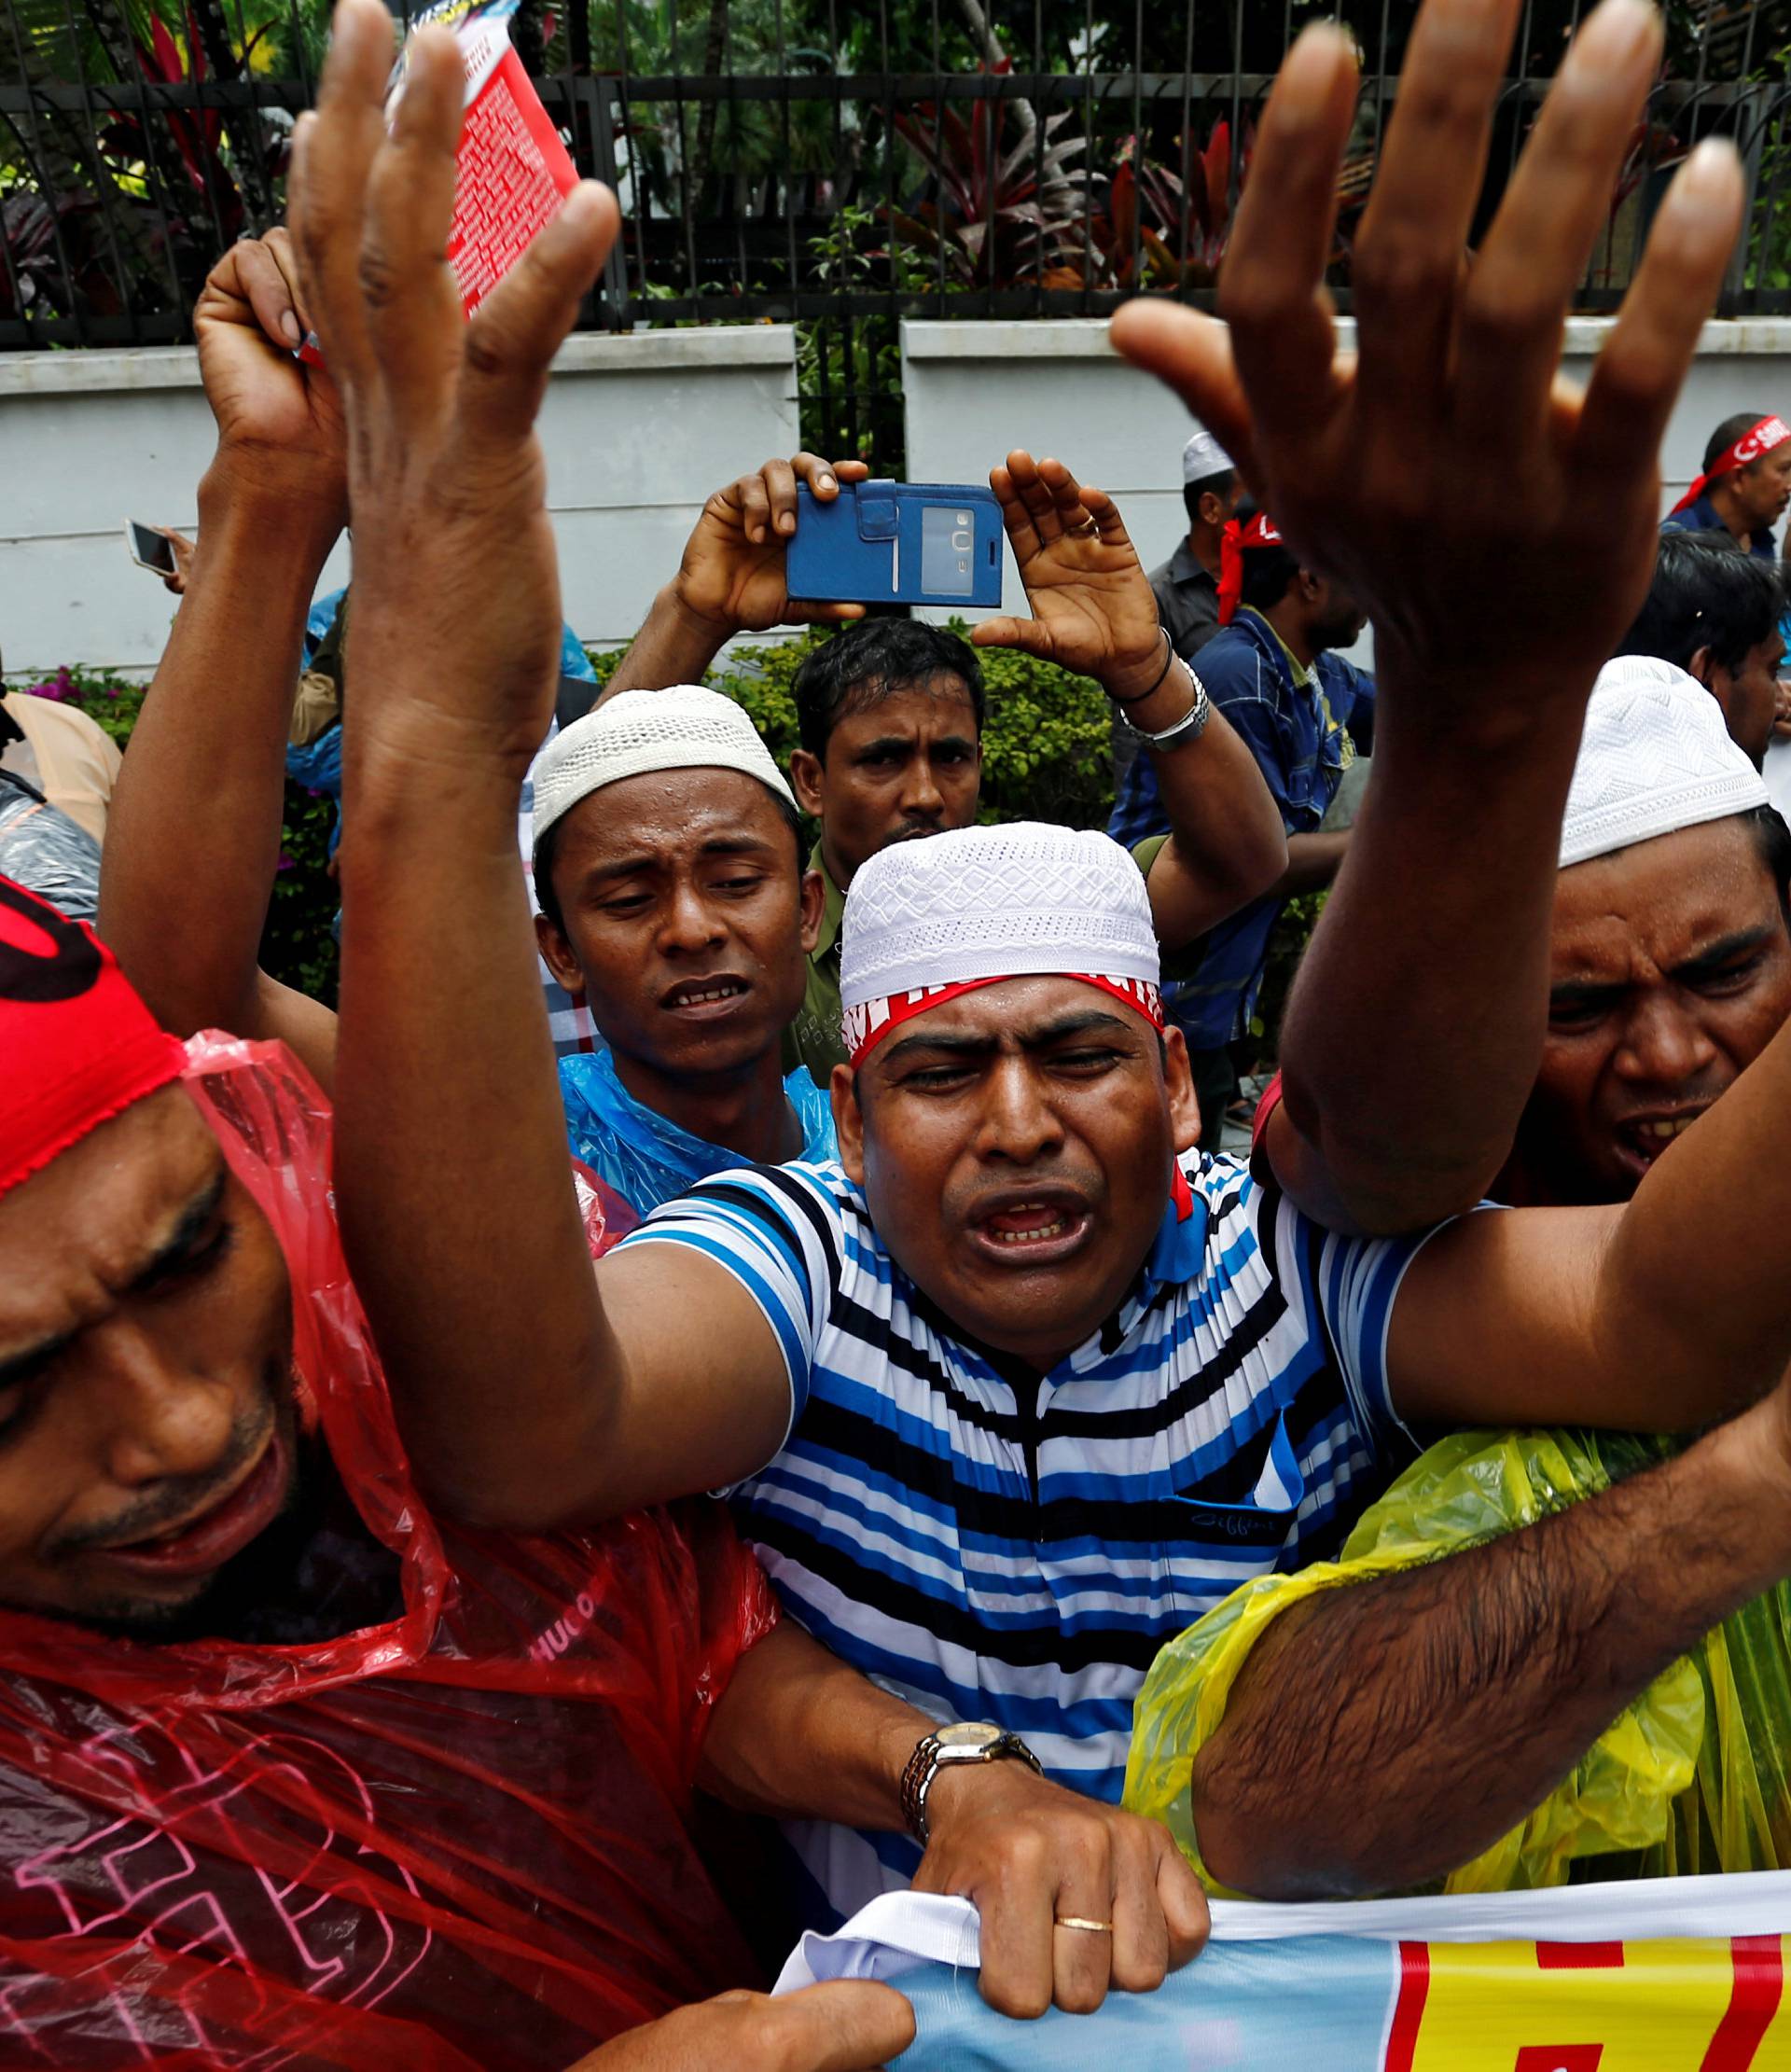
x,y
267,278
1084,1925
1183,1900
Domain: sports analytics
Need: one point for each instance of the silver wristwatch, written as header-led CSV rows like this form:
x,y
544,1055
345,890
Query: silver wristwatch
x,y
1190,725
974,1740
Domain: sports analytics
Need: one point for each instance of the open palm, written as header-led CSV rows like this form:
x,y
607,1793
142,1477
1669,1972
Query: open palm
x,y
1092,606
1444,459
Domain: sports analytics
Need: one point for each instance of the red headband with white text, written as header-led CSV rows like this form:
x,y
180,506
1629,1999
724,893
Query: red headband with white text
x,y
1769,432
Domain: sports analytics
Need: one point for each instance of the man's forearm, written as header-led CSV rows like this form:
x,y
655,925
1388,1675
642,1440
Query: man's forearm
x,y
1384,1733
1415,1025
193,837
1313,862
449,1121
674,646
1227,844
801,1735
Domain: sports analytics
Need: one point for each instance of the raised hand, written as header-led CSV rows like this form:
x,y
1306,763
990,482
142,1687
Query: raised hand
x,y
1468,497
1092,607
456,581
279,422
847,2025
733,574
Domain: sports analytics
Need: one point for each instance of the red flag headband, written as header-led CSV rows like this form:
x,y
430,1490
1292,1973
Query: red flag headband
x,y
80,1045
1769,432
868,1024
1235,542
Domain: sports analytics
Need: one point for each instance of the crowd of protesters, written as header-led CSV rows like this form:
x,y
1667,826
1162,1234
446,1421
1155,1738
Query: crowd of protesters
x,y
730,1374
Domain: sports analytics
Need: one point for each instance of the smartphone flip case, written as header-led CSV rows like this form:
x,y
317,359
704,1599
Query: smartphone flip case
x,y
898,543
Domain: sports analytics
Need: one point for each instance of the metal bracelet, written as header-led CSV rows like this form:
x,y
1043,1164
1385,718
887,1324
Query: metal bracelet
x,y
1190,727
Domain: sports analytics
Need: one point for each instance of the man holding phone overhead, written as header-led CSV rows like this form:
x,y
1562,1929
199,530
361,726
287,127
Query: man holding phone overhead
x,y
890,711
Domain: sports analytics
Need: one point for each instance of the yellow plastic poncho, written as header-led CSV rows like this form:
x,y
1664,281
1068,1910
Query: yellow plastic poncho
x,y
1695,1775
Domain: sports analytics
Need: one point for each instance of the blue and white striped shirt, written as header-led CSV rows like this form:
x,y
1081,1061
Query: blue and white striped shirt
x,y
991,1547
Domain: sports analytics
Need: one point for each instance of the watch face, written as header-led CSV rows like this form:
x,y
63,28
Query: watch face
x,y
968,1734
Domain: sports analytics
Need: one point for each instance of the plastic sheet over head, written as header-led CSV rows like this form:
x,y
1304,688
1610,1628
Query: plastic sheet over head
x,y
455,1840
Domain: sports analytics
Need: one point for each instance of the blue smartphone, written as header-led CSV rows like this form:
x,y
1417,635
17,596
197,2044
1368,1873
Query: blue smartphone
x,y
898,543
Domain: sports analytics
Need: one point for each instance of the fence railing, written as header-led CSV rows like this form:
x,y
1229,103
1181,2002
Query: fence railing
x,y
811,166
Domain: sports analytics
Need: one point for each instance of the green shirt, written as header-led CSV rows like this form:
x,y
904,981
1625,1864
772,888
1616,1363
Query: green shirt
x,y
813,1038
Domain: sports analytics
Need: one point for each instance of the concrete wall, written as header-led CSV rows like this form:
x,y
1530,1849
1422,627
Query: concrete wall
x,y
974,391
638,431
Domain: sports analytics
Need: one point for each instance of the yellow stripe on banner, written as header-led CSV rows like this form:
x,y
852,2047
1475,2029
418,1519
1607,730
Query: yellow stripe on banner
x,y
1620,2007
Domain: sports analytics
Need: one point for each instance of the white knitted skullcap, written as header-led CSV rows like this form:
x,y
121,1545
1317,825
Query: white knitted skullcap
x,y
638,731
1655,757
1204,456
993,903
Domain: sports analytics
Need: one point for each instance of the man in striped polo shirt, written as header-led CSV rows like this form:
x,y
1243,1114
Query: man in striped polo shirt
x,y
1049,1386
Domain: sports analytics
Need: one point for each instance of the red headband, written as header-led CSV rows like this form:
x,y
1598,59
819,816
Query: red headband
x,y
80,1045
867,1026
1234,543
1769,432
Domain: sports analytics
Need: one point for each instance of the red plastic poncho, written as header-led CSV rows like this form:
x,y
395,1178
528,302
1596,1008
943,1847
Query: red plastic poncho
x,y
454,1840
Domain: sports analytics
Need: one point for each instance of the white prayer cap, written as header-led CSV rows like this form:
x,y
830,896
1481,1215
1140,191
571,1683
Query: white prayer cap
x,y
1655,757
638,731
1204,456
994,903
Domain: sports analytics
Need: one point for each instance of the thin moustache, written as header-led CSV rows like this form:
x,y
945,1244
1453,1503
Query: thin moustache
x,y
178,1512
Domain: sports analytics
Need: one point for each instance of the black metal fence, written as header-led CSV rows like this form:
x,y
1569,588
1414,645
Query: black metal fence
x,y
837,162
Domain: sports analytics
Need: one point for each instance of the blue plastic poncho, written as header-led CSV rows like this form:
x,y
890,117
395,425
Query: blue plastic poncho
x,y
645,1155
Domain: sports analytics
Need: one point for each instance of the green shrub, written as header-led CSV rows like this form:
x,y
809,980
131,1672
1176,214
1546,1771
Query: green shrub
x,y
1045,745
297,945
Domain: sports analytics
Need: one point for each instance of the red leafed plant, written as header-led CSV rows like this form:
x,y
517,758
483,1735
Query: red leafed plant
x,y
197,133
1000,206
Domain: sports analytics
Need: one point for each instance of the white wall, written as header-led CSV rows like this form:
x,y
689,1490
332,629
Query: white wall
x,y
638,431
975,391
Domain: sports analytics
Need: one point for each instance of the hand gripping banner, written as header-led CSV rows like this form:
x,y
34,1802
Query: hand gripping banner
x,y
1660,1975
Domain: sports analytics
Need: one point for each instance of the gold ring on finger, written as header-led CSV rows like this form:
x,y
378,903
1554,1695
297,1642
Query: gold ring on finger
x,y
1082,1922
